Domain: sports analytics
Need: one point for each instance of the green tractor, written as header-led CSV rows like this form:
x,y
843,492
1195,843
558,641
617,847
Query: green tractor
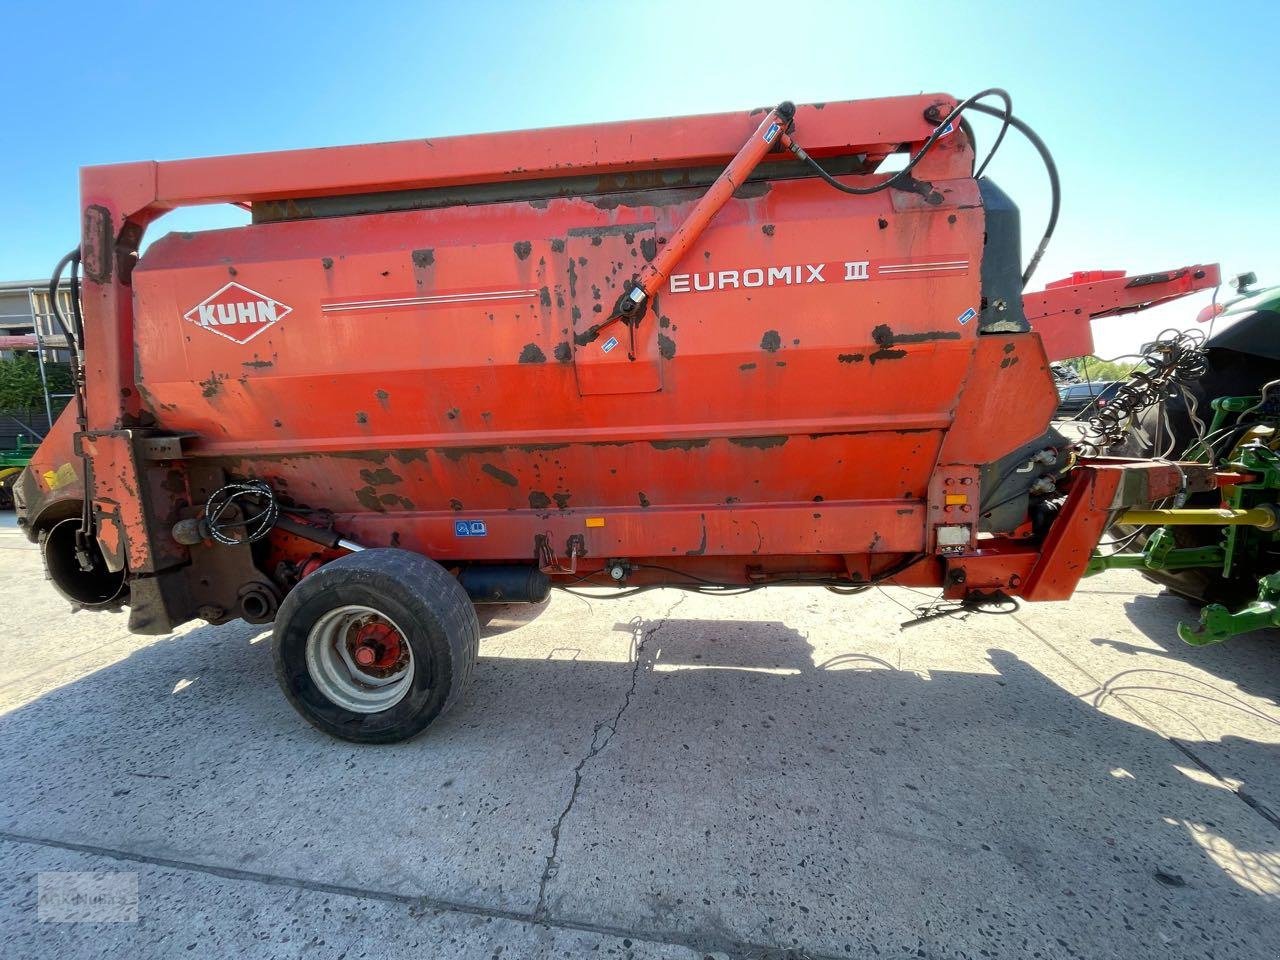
x,y
1220,550
12,463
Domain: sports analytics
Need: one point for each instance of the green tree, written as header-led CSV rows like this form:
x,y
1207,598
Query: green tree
x,y
1091,368
20,387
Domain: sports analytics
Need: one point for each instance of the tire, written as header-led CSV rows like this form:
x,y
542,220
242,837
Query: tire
x,y
318,634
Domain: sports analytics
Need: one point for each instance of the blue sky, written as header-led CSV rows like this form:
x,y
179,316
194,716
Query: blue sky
x,y
1161,115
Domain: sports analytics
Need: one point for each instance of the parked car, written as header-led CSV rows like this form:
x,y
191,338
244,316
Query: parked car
x,y
1073,398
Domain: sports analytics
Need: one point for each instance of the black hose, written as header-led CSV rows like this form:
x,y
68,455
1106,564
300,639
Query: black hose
x,y
1008,120
1055,186
54,281
905,172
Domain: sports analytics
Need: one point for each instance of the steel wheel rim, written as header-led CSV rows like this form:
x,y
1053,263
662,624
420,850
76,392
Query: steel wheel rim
x,y
335,672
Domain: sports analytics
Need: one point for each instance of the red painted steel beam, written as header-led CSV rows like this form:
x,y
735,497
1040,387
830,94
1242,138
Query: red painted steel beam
x,y
1061,312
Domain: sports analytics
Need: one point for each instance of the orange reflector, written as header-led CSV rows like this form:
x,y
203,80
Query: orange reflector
x,y
957,498
595,521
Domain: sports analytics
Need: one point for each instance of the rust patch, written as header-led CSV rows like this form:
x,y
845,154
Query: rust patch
x,y
257,364
679,444
424,257
523,248
457,453
383,475
455,504
561,499
326,262
746,366
532,353
361,417
408,456
499,474
213,386
383,398
850,357
771,342
767,229
648,248
544,297
644,501
758,443
539,500
666,347
557,245
564,352
368,498
702,545
452,413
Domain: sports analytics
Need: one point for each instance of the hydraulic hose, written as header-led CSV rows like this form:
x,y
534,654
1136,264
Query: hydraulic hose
x,y
1005,114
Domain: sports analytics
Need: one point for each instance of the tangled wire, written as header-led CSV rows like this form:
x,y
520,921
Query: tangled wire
x,y
240,507
1167,367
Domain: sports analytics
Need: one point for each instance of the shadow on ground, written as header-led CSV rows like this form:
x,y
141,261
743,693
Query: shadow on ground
x,y
718,789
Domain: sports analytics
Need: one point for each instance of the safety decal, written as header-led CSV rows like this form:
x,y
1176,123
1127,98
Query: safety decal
x,y
609,344
470,528
771,132
966,316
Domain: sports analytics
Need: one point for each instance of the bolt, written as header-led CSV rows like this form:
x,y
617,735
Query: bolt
x,y
365,656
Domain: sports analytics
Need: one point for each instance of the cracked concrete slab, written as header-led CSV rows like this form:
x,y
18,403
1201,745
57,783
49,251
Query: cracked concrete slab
x,y
786,773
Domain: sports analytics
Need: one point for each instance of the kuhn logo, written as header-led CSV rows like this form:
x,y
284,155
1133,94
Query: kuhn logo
x,y
237,313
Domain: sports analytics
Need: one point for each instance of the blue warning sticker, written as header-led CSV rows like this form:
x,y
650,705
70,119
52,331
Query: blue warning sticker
x,y
609,344
966,316
470,528
771,132
949,128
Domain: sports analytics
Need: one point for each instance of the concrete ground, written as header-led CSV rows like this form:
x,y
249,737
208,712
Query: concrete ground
x,y
785,774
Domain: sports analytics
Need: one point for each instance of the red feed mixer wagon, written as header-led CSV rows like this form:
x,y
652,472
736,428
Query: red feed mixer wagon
x,y
710,352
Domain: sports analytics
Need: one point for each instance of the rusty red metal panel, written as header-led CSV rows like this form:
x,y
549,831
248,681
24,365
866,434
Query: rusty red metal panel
x,y
792,404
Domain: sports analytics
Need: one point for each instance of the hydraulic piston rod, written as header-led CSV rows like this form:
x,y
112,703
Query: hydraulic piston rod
x,y
631,305
1263,517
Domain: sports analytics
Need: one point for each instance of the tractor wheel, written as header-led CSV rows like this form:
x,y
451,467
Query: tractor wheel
x,y
375,645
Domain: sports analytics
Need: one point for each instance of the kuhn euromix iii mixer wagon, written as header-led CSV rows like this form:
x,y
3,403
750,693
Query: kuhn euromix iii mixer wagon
x,y
709,352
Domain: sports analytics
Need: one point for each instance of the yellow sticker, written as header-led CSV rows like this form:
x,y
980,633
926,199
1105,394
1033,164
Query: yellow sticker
x,y
595,521
64,476
957,498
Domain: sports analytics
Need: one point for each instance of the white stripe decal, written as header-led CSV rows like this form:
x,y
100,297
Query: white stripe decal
x,y
927,263
893,270
388,303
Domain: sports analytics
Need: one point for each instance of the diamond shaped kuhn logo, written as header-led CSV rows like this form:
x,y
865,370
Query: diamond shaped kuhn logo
x,y
237,313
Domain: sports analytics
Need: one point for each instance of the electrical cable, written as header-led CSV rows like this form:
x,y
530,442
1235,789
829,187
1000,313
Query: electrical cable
x,y
1170,363
722,588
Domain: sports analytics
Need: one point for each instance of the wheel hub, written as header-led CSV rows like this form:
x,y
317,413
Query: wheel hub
x,y
360,659
376,647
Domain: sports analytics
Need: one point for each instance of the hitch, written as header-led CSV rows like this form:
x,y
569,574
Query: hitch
x,y
1217,623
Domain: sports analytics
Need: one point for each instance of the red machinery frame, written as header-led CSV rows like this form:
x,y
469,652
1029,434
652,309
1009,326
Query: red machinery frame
x,y
145,452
